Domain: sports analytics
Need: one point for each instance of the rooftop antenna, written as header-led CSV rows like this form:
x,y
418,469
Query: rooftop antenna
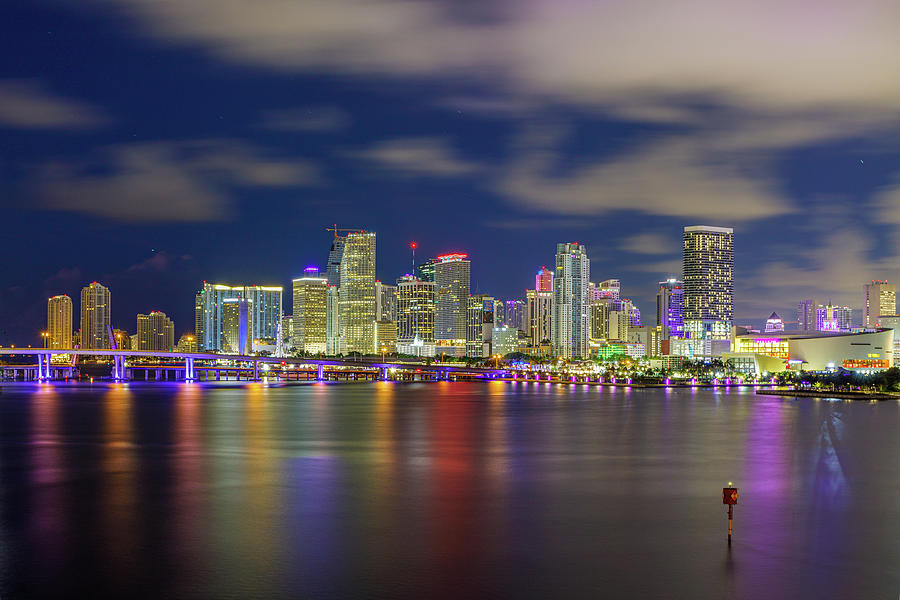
x,y
412,246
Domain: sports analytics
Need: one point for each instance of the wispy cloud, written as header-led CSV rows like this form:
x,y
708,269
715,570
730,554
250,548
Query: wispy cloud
x,y
757,55
165,181
29,105
416,157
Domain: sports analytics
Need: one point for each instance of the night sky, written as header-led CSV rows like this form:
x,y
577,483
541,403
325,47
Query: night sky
x,y
154,144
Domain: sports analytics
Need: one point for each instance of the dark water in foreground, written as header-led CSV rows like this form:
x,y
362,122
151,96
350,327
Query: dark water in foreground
x,y
450,490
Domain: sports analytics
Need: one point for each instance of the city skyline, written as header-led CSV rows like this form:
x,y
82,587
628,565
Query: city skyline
x,y
754,321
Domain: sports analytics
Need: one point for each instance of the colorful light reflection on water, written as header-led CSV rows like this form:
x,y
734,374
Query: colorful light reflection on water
x,y
447,490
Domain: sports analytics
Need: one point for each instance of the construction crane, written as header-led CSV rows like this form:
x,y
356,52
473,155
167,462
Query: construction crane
x,y
335,229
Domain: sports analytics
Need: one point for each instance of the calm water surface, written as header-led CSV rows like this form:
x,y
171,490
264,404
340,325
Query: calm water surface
x,y
448,490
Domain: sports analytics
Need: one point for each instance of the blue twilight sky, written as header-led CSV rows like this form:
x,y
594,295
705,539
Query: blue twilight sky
x,y
154,144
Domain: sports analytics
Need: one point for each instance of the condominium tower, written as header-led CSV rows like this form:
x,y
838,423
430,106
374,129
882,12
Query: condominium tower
x,y
95,317
571,306
156,332
708,282
59,322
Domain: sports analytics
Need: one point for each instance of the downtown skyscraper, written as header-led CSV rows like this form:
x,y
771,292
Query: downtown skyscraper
x,y
451,280
95,317
670,309
356,293
263,302
571,302
708,282
310,299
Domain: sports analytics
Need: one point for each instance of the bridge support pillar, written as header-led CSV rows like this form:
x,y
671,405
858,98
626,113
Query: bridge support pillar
x,y
320,375
385,373
43,368
189,373
255,370
118,370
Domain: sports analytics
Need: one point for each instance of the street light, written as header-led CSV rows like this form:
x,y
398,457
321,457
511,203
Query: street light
x,y
46,336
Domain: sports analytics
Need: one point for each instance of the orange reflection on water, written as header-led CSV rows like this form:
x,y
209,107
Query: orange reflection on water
x,y
119,465
189,472
262,481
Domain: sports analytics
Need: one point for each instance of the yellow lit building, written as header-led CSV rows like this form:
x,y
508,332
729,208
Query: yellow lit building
x,y
155,332
356,294
59,322
309,320
95,317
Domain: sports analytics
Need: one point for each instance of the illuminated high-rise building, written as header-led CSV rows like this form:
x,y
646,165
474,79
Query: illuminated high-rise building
x,y
155,332
879,298
426,270
356,293
415,310
265,302
95,317
333,271
571,301
806,315
708,282
123,340
310,322
386,336
480,322
451,280
198,321
538,316
287,330
385,302
514,314
59,322
543,281
670,309
237,325
332,322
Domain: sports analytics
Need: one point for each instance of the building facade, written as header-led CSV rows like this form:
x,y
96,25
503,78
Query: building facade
x,y
451,280
670,309
538,316
356,293
310,300
415,310
708,282
806,315
265,302
543,281
237,325
95,317
155,332
59,322
571,301
480,321
385,302
879,298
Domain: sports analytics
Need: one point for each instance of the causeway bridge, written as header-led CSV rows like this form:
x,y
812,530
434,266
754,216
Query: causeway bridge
x,y
204,366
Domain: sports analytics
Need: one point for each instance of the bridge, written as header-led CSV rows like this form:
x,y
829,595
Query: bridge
x,y
188,369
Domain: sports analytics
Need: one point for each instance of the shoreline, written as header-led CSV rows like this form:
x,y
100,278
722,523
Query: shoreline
x,y
868,396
